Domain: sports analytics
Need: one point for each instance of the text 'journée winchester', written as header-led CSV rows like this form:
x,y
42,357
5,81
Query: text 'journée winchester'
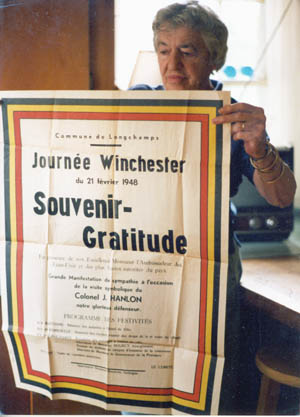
x,y
107,162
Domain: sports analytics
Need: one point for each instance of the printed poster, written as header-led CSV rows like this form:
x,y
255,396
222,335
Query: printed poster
x,y
114,243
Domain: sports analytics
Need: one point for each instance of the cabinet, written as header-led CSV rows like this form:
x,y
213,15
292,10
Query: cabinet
x,y
52,45
57,45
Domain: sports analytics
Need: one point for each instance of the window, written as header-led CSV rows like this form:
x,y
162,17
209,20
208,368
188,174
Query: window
x,y
263,35
133,23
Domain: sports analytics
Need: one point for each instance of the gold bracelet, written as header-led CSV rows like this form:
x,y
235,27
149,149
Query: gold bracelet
x,y
269,168
279,176
269,149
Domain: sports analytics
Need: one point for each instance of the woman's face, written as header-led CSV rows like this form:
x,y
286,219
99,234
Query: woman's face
x,y
183,59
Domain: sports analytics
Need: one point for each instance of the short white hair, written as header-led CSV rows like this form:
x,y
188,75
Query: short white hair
x,y
201,19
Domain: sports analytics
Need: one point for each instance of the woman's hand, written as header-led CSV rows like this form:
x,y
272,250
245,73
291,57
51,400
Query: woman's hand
x,y
247,123
273,179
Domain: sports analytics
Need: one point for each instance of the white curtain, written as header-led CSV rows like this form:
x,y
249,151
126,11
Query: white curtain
x,y
283,77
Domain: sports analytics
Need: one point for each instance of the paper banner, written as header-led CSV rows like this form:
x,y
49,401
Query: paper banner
x,y
114,247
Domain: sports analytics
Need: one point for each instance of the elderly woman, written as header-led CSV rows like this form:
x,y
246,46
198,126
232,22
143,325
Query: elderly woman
x,y
191,43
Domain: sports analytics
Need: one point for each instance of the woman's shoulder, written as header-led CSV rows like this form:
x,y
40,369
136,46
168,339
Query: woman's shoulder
x,y
146,87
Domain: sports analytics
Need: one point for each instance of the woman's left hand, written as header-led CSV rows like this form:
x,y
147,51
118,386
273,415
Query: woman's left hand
x,y
247,123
